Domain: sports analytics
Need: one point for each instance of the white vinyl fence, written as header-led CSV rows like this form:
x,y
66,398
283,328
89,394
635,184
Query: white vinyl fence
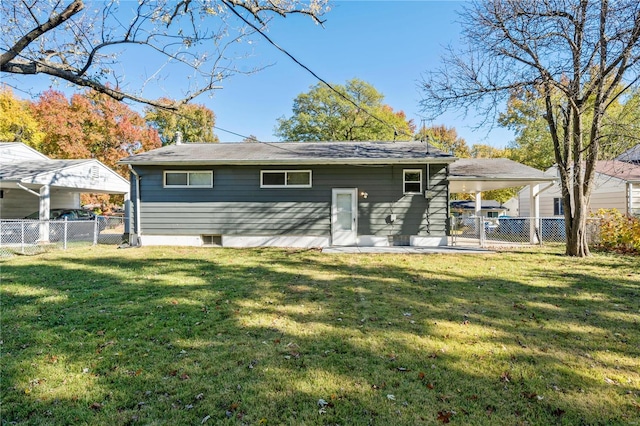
x,y
25,236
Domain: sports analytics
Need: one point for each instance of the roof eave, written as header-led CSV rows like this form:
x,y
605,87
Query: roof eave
x,y
511,179
292,162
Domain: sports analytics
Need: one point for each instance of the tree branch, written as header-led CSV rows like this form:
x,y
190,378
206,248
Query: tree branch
x,y
54,21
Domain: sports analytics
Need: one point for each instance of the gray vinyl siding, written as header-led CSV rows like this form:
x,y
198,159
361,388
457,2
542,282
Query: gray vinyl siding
x,y
236,205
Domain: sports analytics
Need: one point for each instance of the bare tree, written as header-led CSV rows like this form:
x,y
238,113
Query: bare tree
x,y
581,55
83,43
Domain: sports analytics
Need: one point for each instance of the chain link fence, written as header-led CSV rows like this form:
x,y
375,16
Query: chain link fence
x,y
25,236
513,231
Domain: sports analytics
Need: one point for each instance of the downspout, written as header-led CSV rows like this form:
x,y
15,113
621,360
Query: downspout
x,y
19,185
547,187
138,227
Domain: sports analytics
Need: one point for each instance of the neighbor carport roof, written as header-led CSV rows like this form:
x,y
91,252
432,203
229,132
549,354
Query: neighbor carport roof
x,y
20,171
486,174
291,153
68,175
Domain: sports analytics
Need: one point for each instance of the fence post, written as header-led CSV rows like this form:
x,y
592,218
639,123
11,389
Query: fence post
x,y
482,231
22,236
95,229
64,237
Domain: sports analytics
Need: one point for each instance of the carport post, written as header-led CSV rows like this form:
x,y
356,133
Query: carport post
x,y
95,229
534,200
479,221
45,205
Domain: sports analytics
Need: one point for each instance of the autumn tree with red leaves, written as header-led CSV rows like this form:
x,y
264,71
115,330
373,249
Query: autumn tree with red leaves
x,y
92,125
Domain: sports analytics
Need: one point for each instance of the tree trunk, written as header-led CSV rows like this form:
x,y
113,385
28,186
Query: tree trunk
x,y
577,241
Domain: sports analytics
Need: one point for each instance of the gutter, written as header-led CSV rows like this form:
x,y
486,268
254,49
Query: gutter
x,y
138,228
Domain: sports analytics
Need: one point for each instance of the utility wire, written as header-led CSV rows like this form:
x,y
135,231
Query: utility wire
x,y
310,71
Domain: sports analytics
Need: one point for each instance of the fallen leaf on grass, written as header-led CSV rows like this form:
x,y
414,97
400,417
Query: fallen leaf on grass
x,y
430,386
391,397
204,419
96,406
445,416
558,412
505,377
184,376
421,375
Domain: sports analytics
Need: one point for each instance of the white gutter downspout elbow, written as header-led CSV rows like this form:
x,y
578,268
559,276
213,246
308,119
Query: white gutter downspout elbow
x,y
547,187
138,227
19,185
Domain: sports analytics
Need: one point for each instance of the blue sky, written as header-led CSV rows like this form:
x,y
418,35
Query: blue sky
x,y
389,44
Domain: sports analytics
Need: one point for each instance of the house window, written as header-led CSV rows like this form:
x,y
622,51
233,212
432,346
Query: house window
x,y
412,181
492,214
558,208
188,179
285,179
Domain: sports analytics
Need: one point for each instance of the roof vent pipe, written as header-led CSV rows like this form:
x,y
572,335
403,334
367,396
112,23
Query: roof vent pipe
x,y
178,138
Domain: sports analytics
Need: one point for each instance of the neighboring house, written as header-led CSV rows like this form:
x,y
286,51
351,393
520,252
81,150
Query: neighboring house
x,y
632,155
512,207
488,208
291,194
617,185
31,182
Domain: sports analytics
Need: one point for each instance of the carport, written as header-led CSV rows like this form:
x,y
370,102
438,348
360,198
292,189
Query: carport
x,y
476,175
30,181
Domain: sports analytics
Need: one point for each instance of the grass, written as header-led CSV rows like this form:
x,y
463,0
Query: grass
x,y
266,336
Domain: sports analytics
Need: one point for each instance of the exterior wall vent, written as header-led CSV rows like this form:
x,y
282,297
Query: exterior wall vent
x,y
94,173
211,240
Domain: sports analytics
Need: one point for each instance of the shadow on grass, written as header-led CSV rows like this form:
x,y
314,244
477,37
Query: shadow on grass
x,y
174,336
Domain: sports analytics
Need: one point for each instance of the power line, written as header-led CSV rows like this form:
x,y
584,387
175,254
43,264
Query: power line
x,y
310,71
235,134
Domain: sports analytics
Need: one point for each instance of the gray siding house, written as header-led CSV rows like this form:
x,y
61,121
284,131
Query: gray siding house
x,y
291,194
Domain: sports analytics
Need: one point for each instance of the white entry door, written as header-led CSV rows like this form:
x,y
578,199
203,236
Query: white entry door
x,y
344,216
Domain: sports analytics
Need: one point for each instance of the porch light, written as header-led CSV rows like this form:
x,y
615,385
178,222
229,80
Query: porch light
x,y
364,194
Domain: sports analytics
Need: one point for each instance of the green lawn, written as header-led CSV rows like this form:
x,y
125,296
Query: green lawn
x,y
266,336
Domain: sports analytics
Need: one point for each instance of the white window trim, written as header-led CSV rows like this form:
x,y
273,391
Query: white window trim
x,y
405,181
262,185
164,178
558,202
